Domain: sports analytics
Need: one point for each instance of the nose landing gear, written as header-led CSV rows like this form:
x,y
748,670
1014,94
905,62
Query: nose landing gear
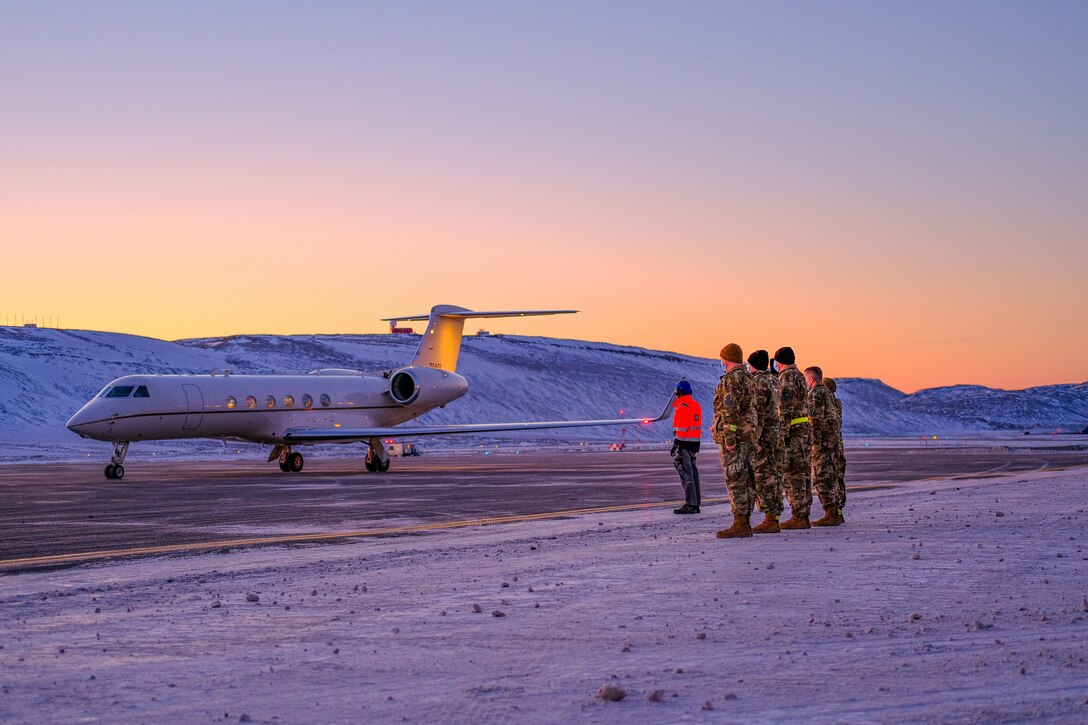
x,y
115,471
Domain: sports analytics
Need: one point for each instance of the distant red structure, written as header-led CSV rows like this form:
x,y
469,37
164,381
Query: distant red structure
x,y
394,330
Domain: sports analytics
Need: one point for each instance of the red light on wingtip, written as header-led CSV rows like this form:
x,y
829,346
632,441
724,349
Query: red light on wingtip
x,y
645,421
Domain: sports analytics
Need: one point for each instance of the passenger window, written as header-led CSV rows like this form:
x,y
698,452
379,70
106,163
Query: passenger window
x,y
326,400
307,401
288,400
141,392
270,402
251,402
121,391
231,402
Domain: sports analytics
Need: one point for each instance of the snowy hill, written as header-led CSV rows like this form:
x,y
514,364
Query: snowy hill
x,y
1049,407
871,408
46,375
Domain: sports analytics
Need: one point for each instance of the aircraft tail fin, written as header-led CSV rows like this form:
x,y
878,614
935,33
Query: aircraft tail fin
x,y
441,343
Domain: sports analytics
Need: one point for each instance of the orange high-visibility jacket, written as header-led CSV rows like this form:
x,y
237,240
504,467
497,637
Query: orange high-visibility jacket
x,y
687,419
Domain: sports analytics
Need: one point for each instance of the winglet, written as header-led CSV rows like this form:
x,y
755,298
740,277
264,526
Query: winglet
x,y
666,412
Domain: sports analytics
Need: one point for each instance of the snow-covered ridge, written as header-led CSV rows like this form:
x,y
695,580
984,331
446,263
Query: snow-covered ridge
x,y
46,375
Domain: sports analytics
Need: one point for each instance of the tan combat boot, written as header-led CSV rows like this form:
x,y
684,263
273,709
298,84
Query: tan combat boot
x,y
741,528
830,518
795,522
769,526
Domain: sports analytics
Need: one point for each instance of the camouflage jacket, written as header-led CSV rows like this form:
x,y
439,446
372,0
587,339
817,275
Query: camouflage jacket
x,y
734,412
793,393
767,400
838,412
825,418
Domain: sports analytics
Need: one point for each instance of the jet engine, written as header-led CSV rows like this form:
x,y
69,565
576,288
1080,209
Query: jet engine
x,y
403,387
425,386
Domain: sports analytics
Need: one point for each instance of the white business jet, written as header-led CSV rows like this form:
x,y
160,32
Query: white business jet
x,y
325,406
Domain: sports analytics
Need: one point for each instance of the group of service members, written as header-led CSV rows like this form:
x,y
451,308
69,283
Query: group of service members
x,y
777,429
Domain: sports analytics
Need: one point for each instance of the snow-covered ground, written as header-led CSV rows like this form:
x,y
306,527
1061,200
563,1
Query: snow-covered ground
x,y
946,601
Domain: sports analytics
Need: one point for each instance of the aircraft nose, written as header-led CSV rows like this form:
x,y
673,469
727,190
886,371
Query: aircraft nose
x,y
80,422
75,421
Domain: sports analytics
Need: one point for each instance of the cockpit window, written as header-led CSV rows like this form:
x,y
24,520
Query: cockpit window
x,y
121,391
141,392
104,391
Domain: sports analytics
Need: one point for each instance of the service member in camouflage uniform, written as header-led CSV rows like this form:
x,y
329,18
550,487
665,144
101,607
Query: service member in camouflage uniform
x,y
840,465
797,439
735,429
825,446
770,450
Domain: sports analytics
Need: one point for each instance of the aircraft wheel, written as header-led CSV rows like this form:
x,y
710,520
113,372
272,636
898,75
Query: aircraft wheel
x,y
294,462
372,464
109,471
285,467
118,472
383,466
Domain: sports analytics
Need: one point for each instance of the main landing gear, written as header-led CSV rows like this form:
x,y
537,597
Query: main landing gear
x,y
291,462
377,458
375,464
115,471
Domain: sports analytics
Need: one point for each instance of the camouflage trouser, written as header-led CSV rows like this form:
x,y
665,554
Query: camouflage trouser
x,y
739,466
825,475
840,475
770,460
797,471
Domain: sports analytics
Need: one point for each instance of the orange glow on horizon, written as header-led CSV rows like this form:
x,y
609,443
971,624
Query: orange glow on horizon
x,y
292,263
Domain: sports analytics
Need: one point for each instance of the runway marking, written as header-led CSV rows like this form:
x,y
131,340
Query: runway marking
x,y
75,558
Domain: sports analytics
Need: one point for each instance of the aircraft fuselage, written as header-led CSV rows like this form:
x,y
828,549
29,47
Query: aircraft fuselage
x,y
257,408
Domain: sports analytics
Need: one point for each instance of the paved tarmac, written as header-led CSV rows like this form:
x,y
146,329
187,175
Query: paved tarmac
x,y
58,510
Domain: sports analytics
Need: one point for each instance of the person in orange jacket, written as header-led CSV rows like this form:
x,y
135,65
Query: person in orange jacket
x,y
687,428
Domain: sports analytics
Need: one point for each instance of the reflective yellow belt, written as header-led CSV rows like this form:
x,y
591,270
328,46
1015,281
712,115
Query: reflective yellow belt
x,y
799,421
731,427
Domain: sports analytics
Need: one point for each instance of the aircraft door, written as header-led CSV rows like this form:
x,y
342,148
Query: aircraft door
x,y
195,402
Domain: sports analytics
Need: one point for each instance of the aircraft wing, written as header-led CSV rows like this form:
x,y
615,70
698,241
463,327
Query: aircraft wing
x,y
347,435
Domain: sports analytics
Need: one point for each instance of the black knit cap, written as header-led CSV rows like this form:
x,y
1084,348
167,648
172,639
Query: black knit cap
x,y
784,356
759,359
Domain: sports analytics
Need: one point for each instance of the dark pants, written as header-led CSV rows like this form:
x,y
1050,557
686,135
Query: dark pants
x,y
684,460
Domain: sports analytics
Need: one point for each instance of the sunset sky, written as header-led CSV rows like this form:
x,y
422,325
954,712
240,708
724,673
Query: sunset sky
x,y
897,190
